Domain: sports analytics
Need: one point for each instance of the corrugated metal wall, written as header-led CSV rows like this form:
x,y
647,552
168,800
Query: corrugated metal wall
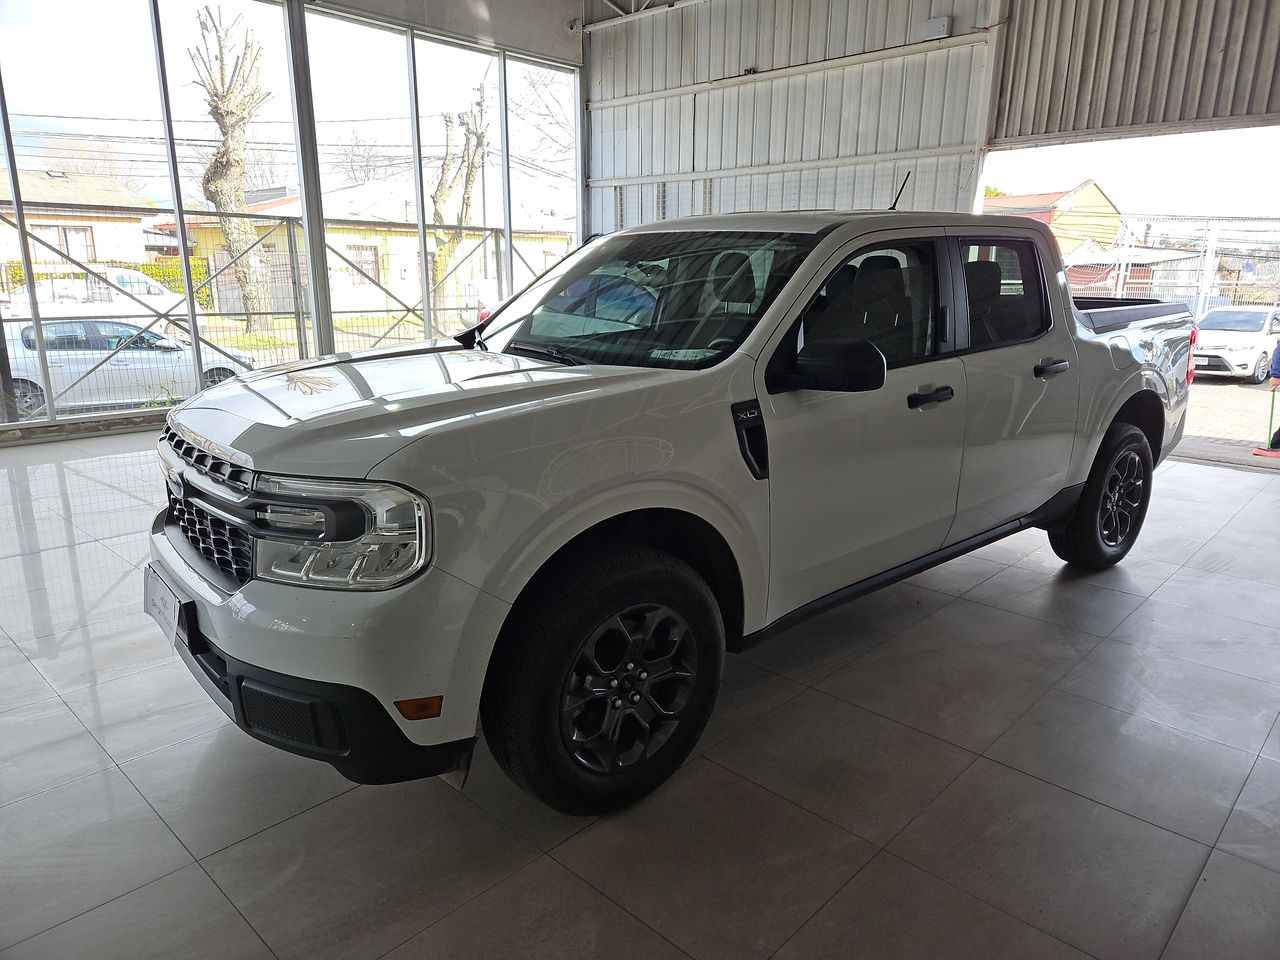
x,y
783,104
1091,68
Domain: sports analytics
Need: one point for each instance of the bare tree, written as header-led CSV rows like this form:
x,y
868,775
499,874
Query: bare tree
x,y
227,70
459,167
359,160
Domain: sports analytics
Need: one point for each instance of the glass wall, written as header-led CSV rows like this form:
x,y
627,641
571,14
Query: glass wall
x,y
542,124
134,307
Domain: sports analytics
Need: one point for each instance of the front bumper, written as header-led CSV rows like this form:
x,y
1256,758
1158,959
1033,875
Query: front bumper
x,y
341,725
1223,364
317,672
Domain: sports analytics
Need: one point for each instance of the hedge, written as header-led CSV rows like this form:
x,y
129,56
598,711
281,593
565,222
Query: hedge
x,y
166,272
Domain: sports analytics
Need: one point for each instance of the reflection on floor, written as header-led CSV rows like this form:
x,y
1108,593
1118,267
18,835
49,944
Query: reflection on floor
x,y
1000,757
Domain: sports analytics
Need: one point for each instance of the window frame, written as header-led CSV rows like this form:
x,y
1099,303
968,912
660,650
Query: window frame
x,y
784,352
955,242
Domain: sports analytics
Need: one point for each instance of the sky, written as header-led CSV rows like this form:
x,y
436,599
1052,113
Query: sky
x,y
102,87
1221,173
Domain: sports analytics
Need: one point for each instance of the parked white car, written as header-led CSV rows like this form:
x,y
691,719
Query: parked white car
x,y
681,439
1237,342
89,368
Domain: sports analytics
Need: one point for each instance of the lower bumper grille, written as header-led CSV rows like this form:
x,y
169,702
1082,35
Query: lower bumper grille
x,y
1212,365
226,547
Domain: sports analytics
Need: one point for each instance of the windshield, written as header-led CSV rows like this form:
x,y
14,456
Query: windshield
x,y
678,300
1241,321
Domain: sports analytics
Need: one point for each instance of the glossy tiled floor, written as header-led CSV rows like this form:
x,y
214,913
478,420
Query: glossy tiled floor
x,y
999,758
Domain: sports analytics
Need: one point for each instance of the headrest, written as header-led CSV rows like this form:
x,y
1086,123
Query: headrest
x,y
732,278
879,277
983,279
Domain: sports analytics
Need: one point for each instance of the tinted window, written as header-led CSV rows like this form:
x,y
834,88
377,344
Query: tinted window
x,y
60,336
1006,297
678,299
117,333
888,295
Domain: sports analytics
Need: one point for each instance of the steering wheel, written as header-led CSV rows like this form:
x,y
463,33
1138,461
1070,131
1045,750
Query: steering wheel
x,y
722,343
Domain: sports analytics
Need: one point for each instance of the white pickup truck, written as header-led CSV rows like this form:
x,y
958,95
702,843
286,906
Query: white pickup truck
x,y
684,437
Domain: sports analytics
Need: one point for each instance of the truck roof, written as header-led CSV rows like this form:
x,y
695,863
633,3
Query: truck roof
x,y
821,221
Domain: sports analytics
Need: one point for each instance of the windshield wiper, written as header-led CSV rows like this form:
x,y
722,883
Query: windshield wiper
x,y
548,351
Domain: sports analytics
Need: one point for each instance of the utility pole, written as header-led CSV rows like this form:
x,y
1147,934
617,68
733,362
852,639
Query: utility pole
x,y
1208,268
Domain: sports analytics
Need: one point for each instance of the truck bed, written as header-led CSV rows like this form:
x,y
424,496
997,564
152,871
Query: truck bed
x,y
1106,314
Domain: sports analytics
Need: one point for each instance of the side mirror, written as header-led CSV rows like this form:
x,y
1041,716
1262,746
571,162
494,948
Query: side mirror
x,y
844,366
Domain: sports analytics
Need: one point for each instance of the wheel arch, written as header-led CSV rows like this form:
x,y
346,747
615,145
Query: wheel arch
x,y
1146,412
685,535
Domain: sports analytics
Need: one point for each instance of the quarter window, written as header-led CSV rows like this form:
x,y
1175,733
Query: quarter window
x,y
60,336
888,295
1006,297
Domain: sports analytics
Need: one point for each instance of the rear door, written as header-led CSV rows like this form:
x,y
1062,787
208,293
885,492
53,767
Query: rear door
x,y
862,482
72,349
143,371
1023,379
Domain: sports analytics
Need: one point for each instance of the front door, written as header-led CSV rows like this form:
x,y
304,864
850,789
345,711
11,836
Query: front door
x,y
1024,381
863,482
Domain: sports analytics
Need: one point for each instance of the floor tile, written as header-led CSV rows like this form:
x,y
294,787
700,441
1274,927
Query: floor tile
x,y
146,711
1253,830
65,587
1240,550
717,865
180,915
1173,779
1069,602
1104,882
105,517
1234,912
1210,703
133,547
491,789
75,847
1271,749
540,911
810,651
82,656
1174,540
1013,548
959,575
1200,635
362,873
222,786
894,911
43,745
28,527
747,693
20,682
962,700
1139,576
1223,595
866,773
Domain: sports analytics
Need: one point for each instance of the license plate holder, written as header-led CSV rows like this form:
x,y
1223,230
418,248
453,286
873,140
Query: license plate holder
x,y
164,607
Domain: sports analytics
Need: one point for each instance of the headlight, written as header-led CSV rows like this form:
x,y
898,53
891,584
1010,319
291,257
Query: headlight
x,y
339,534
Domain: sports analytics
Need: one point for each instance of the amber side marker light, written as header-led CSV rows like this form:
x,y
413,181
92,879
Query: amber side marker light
x,y
421,708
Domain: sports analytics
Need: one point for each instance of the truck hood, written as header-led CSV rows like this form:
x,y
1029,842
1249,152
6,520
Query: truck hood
x,y
339,416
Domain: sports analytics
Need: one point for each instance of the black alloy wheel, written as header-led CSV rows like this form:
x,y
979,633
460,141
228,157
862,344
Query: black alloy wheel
x,y
1121,499
627,690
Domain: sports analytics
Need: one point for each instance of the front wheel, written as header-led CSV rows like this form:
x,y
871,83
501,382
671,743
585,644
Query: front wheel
x,y
1261,370
1107,519
29,398
603,682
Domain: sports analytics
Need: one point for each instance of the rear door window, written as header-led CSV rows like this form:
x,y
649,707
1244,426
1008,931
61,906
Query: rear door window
x,y
61,336
1005,292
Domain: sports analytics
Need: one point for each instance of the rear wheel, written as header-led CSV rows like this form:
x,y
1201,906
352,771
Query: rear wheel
x,y
1107,519
604,681
29,398
216,376
1261,370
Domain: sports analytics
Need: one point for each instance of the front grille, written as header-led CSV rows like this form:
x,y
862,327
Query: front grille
x,y
220,469
227,547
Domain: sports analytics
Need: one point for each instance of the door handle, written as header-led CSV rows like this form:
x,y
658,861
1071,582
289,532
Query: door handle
x,y
941,395
1049,367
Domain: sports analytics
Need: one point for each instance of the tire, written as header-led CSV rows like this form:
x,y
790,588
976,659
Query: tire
x,y
1108,517
1262,370
217,375
567,695
29,398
